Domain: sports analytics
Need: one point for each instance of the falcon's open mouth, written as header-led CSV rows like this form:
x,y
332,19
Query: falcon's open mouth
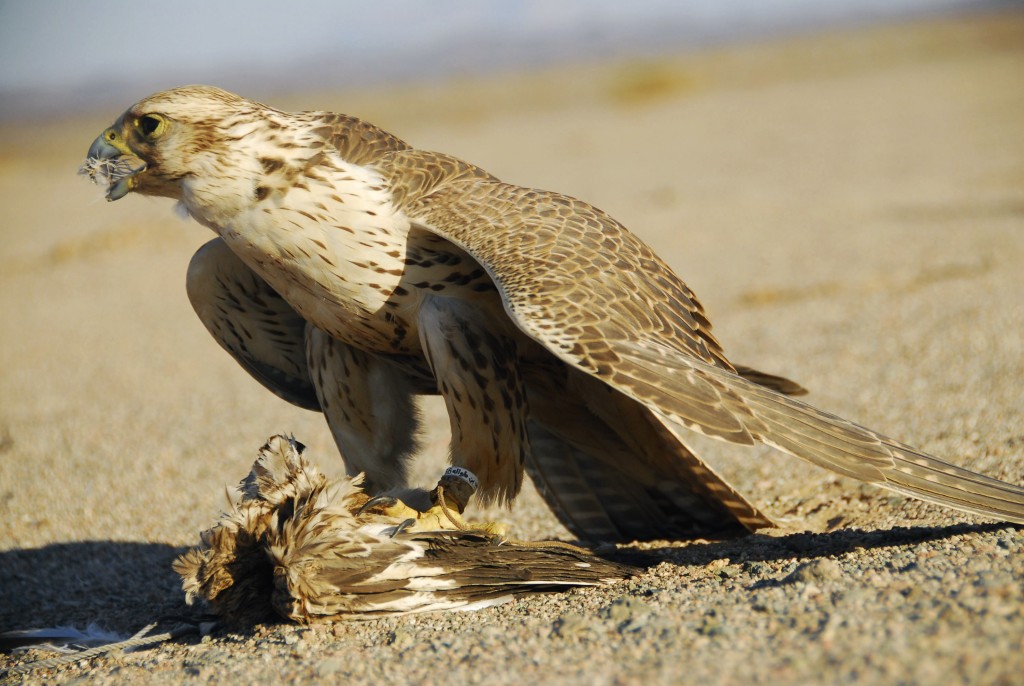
x,y
112,162
117,173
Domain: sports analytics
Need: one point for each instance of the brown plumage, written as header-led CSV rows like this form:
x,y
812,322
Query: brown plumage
x,y
299,547
353,272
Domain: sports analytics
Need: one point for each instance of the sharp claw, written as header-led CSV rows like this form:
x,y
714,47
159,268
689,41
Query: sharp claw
x,y
385,500
403,526
444,515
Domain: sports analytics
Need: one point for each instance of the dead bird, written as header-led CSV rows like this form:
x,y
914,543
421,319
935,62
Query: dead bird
x,y
296,545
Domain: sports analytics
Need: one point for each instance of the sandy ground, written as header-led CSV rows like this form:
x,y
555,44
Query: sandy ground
x,y
850,209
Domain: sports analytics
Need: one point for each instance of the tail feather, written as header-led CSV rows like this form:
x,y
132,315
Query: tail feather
x,y
665,380
779,384
612,470
936,481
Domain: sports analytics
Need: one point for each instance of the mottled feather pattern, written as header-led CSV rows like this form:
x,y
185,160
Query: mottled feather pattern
x,y
252,323
579,328
568,269
617,329
298,546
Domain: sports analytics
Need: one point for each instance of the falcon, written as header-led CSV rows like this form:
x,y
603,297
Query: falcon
x,y
352,273
297,546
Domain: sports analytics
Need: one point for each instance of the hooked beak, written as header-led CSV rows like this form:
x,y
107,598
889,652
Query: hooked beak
x,y
111,160
108,145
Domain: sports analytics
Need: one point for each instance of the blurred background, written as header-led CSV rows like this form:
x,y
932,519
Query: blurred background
x,y
65,54
838,181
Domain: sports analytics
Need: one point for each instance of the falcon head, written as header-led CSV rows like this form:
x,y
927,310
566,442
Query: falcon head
x,y
178,141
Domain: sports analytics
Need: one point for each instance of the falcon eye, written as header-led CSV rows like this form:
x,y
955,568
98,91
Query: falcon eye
x,y
149,125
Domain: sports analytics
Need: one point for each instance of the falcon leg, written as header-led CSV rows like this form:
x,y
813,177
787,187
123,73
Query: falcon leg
x,y
477,374
442,516
252,322
369,404
367,400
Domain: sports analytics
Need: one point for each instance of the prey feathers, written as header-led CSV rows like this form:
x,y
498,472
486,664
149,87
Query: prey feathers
x,y
296,546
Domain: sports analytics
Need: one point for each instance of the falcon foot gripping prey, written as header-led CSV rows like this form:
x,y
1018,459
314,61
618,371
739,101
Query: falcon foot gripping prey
x,y
448,502
352,273
295,545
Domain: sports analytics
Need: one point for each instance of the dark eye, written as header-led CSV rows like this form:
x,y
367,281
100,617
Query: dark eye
x,y
149,125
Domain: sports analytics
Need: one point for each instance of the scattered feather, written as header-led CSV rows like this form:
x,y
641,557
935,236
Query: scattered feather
x,y
61,639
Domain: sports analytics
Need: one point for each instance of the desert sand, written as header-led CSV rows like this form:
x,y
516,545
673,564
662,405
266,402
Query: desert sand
x,y
850,210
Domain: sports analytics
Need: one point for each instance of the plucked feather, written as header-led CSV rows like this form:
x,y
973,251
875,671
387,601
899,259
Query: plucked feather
x,y
300,547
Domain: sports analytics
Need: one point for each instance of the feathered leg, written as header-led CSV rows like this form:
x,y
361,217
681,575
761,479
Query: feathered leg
x,y
366,400
369,404
477,373
252,322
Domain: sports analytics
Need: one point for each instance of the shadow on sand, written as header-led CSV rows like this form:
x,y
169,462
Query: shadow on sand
x,y
124,586
797,546
120,585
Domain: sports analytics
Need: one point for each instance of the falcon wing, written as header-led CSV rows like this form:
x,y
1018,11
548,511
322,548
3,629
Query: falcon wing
x,y
570,275
356,141
577,282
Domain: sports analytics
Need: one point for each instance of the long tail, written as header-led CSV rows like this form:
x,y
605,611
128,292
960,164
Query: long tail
x,y
721,404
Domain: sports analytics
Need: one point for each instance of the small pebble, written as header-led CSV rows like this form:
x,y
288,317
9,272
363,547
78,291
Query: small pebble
x,y
821,569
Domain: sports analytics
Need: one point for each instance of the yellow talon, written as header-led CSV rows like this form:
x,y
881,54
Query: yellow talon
x,y
444,515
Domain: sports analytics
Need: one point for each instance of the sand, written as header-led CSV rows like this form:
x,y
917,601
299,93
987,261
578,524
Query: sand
x,y
850,210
